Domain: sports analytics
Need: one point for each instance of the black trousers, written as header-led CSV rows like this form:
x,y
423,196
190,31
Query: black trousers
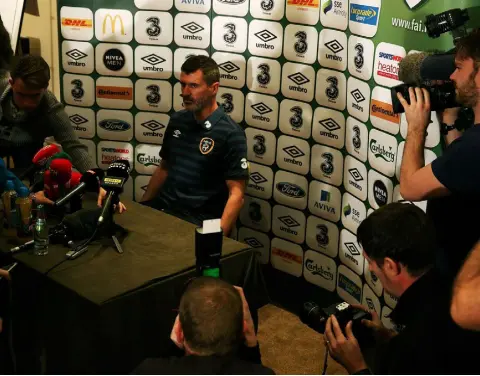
x,y
158,204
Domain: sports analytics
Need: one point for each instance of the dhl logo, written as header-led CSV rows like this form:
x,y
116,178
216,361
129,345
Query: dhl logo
x,y
287,255
113,24
304,3
77,22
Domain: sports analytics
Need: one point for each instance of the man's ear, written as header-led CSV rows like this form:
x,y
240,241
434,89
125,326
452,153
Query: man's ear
x,y
391,268
179,332
215,87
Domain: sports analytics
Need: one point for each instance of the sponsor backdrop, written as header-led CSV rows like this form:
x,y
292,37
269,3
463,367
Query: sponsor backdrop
x,y
308,79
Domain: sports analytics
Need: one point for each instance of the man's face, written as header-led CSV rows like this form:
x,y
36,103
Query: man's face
x,y
467,82
380,273
25,98
196,93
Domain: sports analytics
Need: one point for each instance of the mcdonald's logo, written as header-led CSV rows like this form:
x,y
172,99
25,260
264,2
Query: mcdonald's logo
x,y
113,23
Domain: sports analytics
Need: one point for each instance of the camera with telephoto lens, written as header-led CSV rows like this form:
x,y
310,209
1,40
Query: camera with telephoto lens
x,y
441,96
316,318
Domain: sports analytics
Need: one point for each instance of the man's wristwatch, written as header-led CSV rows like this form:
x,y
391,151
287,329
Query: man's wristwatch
x,y
445,128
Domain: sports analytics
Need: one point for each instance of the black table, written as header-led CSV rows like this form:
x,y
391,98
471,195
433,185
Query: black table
x,y
104,312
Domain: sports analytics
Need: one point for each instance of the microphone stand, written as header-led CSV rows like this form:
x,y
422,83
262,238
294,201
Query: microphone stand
x,y
108,226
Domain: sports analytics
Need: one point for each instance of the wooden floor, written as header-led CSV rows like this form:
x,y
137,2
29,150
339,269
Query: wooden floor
x,y
291,348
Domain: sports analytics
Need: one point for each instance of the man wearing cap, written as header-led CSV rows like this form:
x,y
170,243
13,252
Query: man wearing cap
x,y
204,154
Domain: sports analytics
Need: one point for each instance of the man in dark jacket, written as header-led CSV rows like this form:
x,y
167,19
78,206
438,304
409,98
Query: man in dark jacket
x,y
398,240
215,329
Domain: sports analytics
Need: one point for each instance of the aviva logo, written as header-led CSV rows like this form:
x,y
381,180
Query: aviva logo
x,y
413,4
327,6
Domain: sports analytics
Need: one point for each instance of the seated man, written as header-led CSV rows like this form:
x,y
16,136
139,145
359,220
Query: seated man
x,y
213,321
204,154
29,113
398,240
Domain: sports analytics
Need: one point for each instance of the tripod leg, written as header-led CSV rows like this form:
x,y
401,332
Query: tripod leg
x,y
118,246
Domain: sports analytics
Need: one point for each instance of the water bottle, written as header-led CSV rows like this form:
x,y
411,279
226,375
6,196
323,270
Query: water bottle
x,y
40,233
24,208
9,197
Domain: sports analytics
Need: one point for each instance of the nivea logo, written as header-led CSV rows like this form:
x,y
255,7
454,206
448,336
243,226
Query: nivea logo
x,y
114,125
291,190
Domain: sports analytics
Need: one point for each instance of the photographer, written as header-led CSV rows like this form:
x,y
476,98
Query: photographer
x,y
398,240
213,321
451,183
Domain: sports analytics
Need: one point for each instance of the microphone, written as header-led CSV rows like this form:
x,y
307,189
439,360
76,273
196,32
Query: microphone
x,y
59,178
416,68
89,181
40,159
117,174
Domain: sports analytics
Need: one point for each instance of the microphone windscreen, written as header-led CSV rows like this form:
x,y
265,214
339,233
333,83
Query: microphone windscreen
x,y
75,179
409,68
92,179
438,67
82,223
61,170
119,169
42,156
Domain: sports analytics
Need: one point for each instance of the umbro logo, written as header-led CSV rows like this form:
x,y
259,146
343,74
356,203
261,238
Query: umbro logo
x,y
355,174
77,119
153,59
293,151
228,67
76,54
288,221
253,242
330,124
261,108
265,36
192,28
153,125
144,187
257,178
299,78
357,95
334,46
352,248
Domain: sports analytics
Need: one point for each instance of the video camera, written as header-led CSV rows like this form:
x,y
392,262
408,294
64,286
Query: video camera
x,y
316,318
423,69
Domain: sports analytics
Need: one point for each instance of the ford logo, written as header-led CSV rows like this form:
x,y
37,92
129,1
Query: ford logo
x,y
291,190
114,125
233,2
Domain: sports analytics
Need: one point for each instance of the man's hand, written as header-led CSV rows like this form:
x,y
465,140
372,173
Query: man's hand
x,y
249,328
380,332
417,112
101,196
40,198
5,274
344,349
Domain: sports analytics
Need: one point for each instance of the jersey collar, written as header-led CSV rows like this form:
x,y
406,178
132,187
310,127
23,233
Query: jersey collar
x,y
213,119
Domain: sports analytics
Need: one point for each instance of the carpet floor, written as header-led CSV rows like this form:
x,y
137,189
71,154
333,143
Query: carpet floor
x,y
289,347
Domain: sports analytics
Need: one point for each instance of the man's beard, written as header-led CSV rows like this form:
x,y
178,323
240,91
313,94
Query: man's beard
x,y
468,95
195,105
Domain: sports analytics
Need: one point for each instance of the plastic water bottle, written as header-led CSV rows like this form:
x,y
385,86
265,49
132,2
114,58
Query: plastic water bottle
x,y
40,233
9,198
24,208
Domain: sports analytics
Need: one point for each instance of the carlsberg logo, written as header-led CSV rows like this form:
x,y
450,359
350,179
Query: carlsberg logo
x,y
148,160
381,152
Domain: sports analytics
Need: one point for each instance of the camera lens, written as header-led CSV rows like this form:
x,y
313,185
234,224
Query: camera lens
x,y
312,315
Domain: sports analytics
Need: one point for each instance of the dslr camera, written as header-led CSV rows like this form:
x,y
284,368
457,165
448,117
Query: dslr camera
x,y
316,317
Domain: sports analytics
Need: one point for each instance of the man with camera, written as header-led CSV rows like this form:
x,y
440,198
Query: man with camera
x,y
398,240
451,183
215,329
